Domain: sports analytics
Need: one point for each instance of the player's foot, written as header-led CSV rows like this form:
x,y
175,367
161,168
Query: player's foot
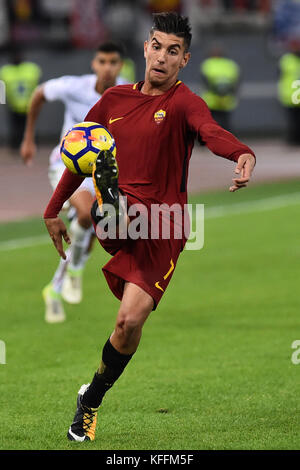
x,y
105,178
72,286
84,423
54,312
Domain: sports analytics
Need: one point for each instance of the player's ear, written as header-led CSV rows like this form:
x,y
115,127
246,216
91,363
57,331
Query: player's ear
x,y
145,48
92,65
120,65
185,59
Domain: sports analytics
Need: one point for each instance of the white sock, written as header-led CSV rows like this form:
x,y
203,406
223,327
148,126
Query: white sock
x,y
58,277
80,238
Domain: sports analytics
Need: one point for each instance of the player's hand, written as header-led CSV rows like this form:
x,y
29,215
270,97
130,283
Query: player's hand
x,y
245,165
28,151
57,231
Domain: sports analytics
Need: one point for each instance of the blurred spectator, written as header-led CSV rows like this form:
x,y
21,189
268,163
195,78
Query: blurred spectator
x,y
157,6
87,27
254,5
4,23
24,17
56,8
242,4
121,18
239,5
228,4
20,79
286,20
265,6
56,17
289,66
221,77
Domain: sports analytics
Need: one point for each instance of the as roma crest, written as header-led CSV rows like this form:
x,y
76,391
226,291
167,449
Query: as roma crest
x,y
159,116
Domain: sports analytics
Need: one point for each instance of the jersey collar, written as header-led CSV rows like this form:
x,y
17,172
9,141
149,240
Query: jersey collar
x,y
138,86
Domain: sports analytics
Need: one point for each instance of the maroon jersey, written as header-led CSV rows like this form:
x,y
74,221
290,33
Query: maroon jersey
x,y
155,136
154,139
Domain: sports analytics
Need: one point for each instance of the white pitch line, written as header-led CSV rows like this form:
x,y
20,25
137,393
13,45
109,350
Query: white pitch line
x,y
24,242
260,205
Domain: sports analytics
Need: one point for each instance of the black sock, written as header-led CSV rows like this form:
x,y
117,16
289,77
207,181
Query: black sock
x,y
112,365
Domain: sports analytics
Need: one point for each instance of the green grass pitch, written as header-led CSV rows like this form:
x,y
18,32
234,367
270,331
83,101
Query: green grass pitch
x,y
213,370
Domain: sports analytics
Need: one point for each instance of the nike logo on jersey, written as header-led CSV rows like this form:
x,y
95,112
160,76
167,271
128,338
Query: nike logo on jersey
x,y
113,120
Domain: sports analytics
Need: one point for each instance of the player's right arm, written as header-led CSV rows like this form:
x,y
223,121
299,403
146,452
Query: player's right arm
x,y
58,231
51,90
67,185
28,147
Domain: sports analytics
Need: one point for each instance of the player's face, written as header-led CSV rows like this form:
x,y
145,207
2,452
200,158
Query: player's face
x,y
107,66
165,55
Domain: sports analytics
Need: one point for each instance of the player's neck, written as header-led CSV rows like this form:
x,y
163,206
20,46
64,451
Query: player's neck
x,y
102,87
149,89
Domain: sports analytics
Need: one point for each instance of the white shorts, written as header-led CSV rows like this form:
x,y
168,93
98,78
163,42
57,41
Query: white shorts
x,y
56,169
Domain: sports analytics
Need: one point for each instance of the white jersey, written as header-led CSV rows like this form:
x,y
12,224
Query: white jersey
x,y
78,94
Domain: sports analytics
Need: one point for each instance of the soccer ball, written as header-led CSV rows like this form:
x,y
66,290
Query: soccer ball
x,y
81,145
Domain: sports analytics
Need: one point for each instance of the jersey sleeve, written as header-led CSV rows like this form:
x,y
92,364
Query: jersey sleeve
x,y
57,88
67,185
218,140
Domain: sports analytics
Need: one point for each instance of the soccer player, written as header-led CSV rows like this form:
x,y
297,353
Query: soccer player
x,y
154,123
78,94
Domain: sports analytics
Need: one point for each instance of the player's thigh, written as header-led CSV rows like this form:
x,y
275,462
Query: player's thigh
x,y
82,201
136,305
55,172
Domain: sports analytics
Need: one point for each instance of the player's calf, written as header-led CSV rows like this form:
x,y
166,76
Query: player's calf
x,y
135,308
127,332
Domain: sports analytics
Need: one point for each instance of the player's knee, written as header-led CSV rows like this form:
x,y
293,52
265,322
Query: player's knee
x,y
84,219
127,326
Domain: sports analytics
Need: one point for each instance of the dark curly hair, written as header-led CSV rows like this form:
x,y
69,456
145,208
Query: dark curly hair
x,y
173,23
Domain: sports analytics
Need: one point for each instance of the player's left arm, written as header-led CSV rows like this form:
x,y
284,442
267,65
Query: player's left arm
x,y
220,142
226,145
244,168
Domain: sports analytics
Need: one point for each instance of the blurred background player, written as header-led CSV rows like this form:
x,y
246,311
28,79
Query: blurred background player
x,y
289,67
221,78
78,94
21,78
